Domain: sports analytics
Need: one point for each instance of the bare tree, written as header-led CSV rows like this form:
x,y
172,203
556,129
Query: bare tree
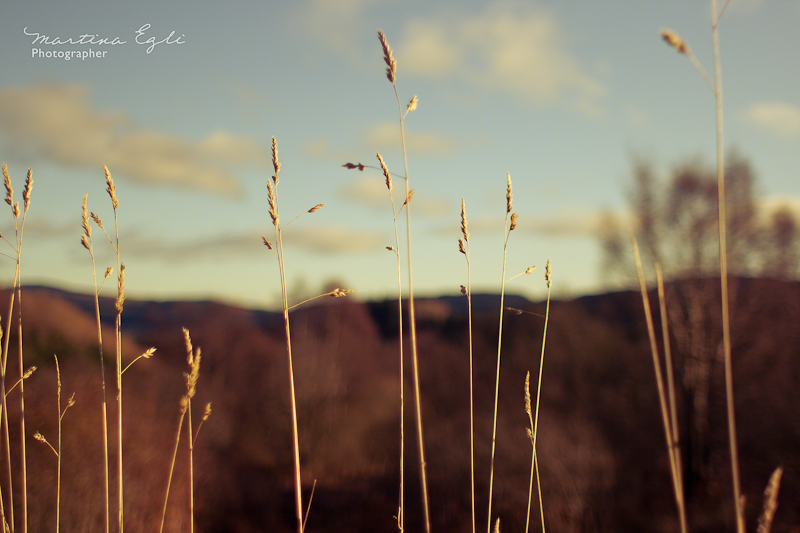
x,y
675,223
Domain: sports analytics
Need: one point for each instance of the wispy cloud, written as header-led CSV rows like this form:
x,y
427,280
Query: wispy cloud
x,y
332,22
334,239
386,136
512,48
370,191
778,118
58,123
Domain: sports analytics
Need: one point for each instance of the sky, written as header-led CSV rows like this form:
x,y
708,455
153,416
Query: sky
x,y
560,95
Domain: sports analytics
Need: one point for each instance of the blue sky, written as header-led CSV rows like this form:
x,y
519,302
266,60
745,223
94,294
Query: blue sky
x,y
560,94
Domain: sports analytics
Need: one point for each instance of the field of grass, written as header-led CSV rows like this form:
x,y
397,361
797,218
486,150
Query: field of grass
x,y
347,416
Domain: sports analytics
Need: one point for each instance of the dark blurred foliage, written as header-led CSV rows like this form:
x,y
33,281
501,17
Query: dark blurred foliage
x,y
601,447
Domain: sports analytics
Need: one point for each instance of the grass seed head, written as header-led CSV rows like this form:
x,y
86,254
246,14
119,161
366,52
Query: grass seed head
x,y
26,194
273,203
547,273
120,290
674,40
9,188
528,409
509,195
388,57
316,208
87,229
412,105
463,290
464,231
338,293
461,247
207,412
513,222
385,170
266,243
97,220
275,163
351,166
111,190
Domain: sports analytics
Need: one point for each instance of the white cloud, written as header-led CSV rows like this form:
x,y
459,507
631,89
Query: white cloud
x,y
370,191
508,48
778,118
57,123
386,136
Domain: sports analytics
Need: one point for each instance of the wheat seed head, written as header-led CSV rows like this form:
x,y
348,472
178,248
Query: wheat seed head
x,y
388,57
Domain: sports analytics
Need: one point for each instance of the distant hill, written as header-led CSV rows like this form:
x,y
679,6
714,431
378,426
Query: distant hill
x,y
601,444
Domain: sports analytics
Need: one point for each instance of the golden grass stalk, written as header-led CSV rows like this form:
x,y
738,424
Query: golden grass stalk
x,y
463,247
507,232
111,190
534,418
193,361
770,501
396,249
19,225
57,449
716,88
391,69
677,464
86,241
672,447
723,275
277,249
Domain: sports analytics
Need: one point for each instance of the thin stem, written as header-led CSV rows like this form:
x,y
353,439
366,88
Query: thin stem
x,y
310,498
184,405
673,411
506,232
672,450
191,466
723,273
411,311
104,404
